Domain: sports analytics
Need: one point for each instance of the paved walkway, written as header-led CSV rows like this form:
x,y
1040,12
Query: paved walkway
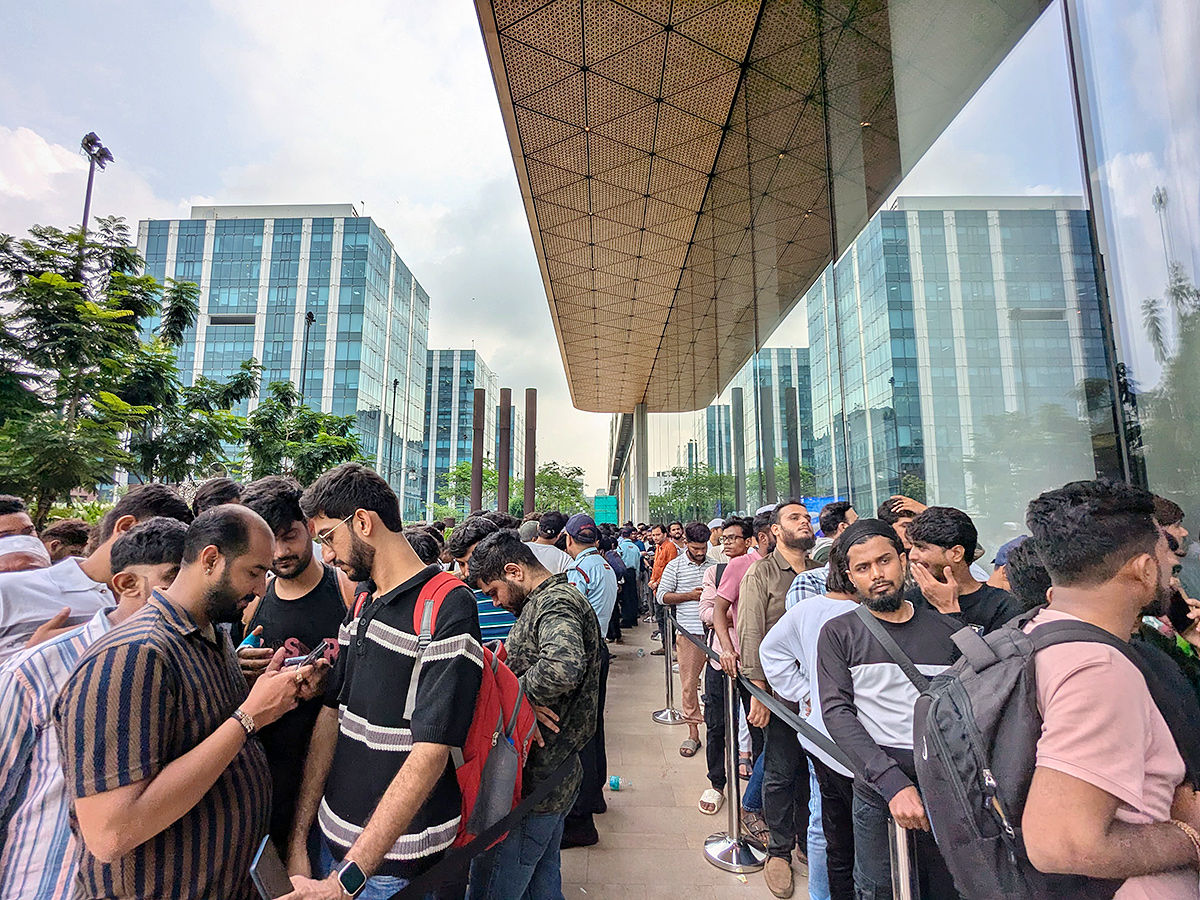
x,y
652,837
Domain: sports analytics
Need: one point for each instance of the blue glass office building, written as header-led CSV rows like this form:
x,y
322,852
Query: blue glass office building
x,y
261,269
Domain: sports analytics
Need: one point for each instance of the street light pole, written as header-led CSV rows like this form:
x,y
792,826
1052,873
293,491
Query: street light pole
x,y
98,155
309,318
392,428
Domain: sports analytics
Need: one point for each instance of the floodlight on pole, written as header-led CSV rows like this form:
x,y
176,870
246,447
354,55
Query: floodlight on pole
x,y
98,155
309,318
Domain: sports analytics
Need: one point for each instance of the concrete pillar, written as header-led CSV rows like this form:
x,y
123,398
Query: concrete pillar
x,y
641,469
791,425
477,450
766,442
530,448
504,457
738,446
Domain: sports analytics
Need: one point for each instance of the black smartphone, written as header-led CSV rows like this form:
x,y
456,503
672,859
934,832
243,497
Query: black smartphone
x,y
268,871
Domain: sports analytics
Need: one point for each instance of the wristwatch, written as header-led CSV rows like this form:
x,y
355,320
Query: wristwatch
x,y
243,718
351,878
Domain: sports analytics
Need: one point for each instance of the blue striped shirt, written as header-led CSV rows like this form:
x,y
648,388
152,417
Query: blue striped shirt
x,y
38,855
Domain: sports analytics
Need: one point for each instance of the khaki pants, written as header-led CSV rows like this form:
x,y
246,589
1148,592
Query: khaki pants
x,y
691,661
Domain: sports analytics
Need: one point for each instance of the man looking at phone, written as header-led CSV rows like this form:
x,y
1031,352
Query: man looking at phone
x,y
302,609
171,795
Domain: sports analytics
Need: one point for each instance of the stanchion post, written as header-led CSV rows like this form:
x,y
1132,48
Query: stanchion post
x,y
904,880
731,850
669,715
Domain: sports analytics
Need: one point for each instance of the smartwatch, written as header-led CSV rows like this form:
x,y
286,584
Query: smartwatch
x,y
351,878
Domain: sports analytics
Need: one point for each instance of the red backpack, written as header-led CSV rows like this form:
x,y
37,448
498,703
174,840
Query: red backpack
x,y
491,762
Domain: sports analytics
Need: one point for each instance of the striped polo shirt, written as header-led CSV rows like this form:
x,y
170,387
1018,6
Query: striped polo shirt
x,y
38,855
369,688
682,576
142,696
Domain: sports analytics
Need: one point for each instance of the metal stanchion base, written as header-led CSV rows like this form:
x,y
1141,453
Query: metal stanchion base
x,y
739,857
668,717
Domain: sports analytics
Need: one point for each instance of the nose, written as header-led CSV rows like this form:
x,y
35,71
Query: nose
x,y
327,554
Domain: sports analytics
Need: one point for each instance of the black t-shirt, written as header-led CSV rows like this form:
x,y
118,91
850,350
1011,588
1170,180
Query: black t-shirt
x,y
308,620
985,609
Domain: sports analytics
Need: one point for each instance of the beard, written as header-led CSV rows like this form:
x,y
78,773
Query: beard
x,y
516,597
1163,595
795,542
360,560
884,603
222,603
289,567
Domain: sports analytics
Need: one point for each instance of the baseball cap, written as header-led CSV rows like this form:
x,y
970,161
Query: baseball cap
x,y
1005,549
550,525
528,530
582,528
716,523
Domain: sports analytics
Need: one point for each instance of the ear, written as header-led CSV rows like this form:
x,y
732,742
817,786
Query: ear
x,y
208,558
123,524
364,522
957,553
52,546
513,571
125,582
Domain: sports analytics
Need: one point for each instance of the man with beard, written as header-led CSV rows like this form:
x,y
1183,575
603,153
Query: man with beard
x,y
762,600
555,649
1108,797
170,795
302,610
378,777
867,705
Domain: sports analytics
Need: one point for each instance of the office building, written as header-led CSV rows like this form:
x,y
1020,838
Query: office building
x,y
262,270
454,376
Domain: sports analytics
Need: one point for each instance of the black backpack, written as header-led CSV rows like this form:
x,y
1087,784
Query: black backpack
x,y
975,734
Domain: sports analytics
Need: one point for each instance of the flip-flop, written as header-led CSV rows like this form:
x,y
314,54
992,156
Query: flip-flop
x,y
689,747
745,766
714,798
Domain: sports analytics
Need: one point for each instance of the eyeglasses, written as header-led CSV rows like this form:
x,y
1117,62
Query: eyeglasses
x,y
323,536
730,538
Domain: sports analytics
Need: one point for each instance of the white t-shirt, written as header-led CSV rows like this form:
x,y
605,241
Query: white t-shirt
x,y
555,561
29,599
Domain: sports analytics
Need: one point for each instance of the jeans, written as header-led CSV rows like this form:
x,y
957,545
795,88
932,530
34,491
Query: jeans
x,y
378,887
873,864
752,799
818,875
785,789
526,865
837,802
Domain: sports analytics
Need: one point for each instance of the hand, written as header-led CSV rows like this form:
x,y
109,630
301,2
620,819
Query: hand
x,y
759,715
908,811
729,663
304,888
900,503
942,596
695,595
275,692
54,627
254,660
312,684
546,716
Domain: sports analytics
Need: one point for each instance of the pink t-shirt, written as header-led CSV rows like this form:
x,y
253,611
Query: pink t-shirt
x,y
1100,725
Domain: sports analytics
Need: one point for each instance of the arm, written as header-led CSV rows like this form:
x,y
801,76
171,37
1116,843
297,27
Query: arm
x,y
729,656
1090,841
561,664
312,786
113,822
779,654
18,737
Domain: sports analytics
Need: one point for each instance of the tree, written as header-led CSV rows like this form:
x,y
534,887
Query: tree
x,y
454,487
559,487
284,437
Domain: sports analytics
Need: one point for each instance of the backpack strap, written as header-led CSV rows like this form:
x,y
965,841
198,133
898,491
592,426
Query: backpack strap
x,y
720,572
429,601
892,649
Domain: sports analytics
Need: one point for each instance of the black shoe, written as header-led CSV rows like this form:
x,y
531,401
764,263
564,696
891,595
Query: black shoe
x,y
602,807
579,835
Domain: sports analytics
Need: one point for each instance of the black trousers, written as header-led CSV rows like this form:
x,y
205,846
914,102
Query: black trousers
x,y
595,765
785,790
837,820
628,601
873,865
714,725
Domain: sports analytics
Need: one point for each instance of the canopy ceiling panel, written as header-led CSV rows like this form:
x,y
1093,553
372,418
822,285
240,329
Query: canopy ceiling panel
x,y
689,167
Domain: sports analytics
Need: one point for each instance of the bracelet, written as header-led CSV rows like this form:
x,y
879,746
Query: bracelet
x,y
244,719
1192,834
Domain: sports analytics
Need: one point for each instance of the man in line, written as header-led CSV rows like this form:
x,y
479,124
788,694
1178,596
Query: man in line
x,y
463,540
1169,515
215,492
68,537
595,579
178,805
378,777
302,609
22,553
943,541
680,590
867,704
664,551
549,527
789,657
1108,797
49,600
38,853
715,549
762,603
675,530
14,517
835,518
554,649
632,557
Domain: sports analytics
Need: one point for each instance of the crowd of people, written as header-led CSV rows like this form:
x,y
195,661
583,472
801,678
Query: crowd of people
x,y
183,685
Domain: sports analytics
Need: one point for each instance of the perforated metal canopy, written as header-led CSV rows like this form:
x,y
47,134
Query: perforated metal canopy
x,y
678,159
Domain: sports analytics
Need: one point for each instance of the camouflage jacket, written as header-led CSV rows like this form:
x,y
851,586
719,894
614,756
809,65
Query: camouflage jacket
x,y
554,648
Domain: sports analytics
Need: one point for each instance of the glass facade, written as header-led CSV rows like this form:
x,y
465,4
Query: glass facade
x,y
261,270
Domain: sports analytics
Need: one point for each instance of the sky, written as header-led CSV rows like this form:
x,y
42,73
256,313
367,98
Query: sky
x,y
390,106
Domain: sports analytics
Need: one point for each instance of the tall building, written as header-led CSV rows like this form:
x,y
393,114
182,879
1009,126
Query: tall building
x,y
261,271
450,418
907,395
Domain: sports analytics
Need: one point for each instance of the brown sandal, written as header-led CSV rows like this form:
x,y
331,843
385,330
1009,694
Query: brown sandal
x,y
757,826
